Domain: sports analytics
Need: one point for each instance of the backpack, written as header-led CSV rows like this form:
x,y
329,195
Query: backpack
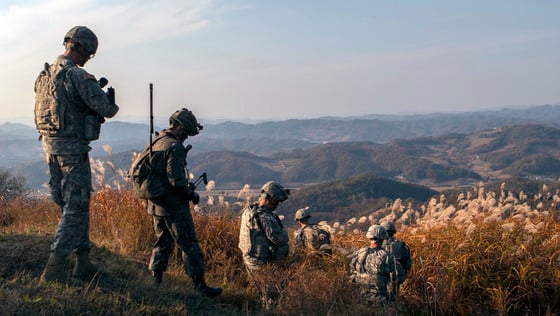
x,y
49,110
149,179
322,239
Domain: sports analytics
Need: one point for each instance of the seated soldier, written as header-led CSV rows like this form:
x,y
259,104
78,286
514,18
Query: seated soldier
x,y
372,268
311,236
400,251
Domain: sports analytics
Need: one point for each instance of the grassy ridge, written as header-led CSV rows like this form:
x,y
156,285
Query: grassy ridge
x,y
495,268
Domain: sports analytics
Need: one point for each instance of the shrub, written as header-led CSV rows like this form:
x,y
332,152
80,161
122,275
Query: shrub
x,y
511,266
10,186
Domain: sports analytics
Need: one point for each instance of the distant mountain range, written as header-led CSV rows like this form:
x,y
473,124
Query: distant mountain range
x,y
342,166
439,161
20,144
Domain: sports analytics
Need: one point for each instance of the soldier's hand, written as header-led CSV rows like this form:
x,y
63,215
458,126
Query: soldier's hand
x,y
111,95
195,198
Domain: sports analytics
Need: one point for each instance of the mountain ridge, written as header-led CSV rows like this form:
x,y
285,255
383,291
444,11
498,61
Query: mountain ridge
x,y
450,160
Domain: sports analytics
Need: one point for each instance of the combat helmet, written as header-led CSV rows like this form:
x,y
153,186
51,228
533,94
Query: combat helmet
x,y
275,191
377,232
186,119
303,213
84,36
389,226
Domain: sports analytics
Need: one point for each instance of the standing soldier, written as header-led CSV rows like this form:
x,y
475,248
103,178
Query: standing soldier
x,y
70,106
172,218
310,235
262,237
400,252
372,267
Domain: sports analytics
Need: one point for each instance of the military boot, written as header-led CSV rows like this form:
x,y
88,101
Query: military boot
x,y
201,286
157,276
54,270
84,267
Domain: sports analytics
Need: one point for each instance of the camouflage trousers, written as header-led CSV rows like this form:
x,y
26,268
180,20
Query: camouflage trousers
x,y
177,228
375,295
267,285
70,186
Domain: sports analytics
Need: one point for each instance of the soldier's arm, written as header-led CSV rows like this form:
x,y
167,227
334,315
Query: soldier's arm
x,y
298,234
407,264
175,167
91,93
274,232
310,237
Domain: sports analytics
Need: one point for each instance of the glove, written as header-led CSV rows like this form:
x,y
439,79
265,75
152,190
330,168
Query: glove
x,y
111,95
194,197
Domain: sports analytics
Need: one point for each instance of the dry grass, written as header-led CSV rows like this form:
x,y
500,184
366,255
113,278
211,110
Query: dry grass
x,y
491,269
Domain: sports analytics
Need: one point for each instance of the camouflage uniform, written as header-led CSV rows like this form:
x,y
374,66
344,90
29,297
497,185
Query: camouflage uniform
x,y
311,236
371,269
401,253
67,150
171,213
262,237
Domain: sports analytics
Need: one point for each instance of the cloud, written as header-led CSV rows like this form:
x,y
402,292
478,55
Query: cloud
x,y
31,27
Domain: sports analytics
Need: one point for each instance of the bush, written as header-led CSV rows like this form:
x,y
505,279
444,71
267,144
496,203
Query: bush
x,y
10,186
510,266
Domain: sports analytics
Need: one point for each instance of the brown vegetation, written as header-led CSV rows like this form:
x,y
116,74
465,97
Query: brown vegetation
x,y
493,267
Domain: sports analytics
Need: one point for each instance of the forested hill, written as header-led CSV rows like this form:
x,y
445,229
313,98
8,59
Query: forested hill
x,y
354,196
384,128
20,143
449,160
453,159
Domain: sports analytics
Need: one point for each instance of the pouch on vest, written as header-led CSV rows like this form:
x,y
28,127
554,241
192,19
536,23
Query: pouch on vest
x,y
92,127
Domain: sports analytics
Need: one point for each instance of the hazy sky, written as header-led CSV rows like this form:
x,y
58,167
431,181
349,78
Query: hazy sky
x,y
294,59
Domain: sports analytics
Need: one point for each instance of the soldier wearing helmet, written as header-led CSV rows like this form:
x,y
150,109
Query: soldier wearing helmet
x,y
311,235
70,106
187,121
81,41
262,237
172,218
400,252
372,268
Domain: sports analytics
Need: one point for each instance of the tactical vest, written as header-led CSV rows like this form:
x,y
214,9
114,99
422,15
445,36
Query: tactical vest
x,y
315,237
53,117
253,241
368,267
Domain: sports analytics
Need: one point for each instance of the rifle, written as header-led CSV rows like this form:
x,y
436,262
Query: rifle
x,y
202,177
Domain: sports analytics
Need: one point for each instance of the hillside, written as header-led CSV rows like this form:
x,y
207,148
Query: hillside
x,y
268,138
449,160
355,196
478,256
438,162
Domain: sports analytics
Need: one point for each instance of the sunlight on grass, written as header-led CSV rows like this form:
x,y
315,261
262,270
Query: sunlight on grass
x,y
474,266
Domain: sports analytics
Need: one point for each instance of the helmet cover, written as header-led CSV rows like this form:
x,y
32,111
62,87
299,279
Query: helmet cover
x,y
276,191
302,213
187,120
83,36
377,232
